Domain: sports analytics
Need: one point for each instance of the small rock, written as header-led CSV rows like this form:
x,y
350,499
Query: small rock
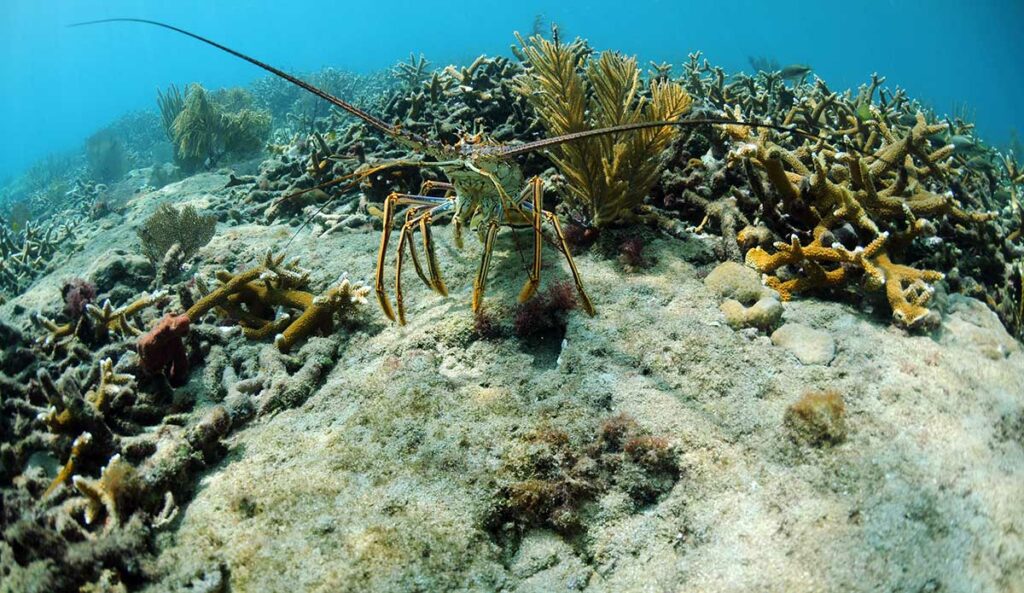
x,y
809,345
765,314
736,281
117,268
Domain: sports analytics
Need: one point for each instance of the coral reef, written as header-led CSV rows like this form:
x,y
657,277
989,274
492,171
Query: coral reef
x,y
252,297
27,253
470,453
883,176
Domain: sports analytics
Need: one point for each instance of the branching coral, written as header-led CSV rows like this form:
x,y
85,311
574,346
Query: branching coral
x,y
818,266
878,195
252,297
610,175
28,252
881,162
413,73
98,323
105,495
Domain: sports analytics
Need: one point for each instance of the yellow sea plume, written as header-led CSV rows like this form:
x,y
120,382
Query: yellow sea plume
x,y
608,176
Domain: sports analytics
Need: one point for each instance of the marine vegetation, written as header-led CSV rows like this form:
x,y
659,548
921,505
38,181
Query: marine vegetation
x,y
608,175
171,236
548,480
108,160
205,130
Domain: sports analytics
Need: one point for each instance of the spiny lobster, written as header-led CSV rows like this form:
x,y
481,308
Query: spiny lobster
x,y
485,187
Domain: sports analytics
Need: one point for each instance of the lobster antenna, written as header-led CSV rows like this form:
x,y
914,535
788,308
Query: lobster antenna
x,y
510,151
388,129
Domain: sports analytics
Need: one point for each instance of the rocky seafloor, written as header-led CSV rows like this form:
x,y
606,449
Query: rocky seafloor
x,y
697,433
393,473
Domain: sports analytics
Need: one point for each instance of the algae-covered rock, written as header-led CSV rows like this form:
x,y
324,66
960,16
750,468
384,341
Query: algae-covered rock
x,y
763,315
817,418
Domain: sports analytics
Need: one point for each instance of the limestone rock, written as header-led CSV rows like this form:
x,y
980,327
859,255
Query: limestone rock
x,y
809,345
735,281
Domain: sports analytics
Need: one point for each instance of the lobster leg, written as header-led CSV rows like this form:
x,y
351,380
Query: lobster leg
x,y
534,190
430,185
584,299
480,284
390,203
406,236
407,229
436,282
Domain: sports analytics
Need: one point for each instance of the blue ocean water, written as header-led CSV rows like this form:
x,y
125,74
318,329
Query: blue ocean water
x,y
61,84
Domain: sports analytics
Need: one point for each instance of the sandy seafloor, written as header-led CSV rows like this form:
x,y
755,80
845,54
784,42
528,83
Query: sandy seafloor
x,y
382,479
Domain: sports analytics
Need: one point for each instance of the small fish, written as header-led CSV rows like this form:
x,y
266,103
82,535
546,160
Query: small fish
x,y
980,163
795,71
963,144
863,111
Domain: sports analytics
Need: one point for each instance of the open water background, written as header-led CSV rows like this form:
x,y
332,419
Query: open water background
x,y
60,84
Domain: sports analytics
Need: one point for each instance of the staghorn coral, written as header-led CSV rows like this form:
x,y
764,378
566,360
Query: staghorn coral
x,y
252,297
106,495
98,323
413,73
877,195
28,252
610,175
169,226
882,161
820,266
